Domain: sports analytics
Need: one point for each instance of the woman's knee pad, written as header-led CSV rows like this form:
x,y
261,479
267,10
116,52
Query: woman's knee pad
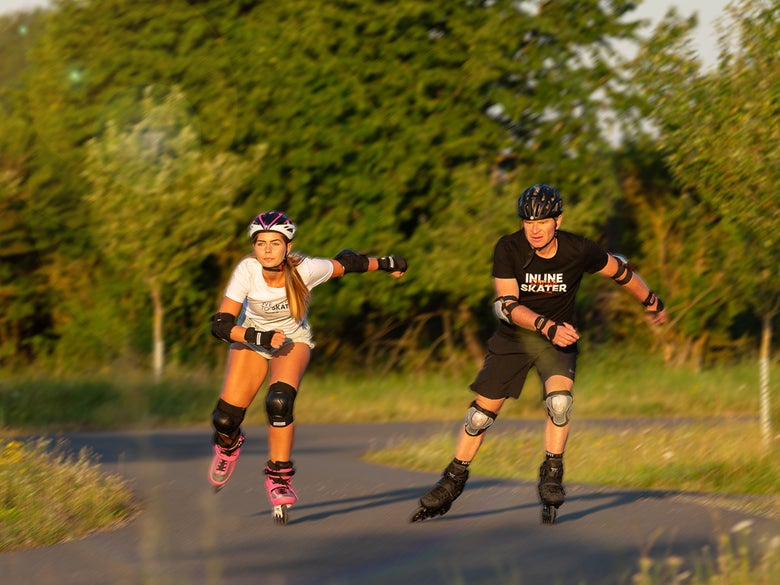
x,y
227,420
279,404
559,405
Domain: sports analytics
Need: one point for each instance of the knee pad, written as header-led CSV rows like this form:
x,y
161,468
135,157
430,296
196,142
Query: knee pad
x,y
478,419
227,420
559,405
279,404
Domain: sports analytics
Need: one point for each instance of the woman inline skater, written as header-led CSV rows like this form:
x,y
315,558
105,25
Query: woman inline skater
x,y
271,289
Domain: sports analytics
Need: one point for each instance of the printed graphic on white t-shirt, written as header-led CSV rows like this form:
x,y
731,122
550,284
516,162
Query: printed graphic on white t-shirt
x,y
267,306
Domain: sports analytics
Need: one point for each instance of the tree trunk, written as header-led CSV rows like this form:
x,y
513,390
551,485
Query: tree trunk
x,y
763,364
470,333
158,358
698,350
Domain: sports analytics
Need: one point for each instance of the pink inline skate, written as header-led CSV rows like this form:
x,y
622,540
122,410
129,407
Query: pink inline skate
x,y
278,478
224,462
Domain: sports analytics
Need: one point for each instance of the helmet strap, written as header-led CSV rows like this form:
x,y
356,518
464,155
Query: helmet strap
x,y
277,268
553,239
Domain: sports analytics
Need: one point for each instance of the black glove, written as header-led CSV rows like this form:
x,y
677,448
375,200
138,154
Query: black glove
x,y
261,338
392,263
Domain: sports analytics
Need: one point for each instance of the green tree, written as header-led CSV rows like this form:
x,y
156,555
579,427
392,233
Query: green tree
x,y
25,323
159,205
384,121
64,97
721,138
18,33
677,242
404,127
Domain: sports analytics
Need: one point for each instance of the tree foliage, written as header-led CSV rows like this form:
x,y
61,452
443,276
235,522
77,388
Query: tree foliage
x,y
720,137
722,141
150,185
140,137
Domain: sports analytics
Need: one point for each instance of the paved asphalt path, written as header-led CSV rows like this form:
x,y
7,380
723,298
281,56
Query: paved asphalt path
x,y
351,526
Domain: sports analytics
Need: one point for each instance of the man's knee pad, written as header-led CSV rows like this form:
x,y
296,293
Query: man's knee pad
x,y
478,419
227,421
279,404
559,405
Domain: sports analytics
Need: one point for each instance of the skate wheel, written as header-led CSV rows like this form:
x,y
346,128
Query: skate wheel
x,y
280,514
420,515
424,513
549,513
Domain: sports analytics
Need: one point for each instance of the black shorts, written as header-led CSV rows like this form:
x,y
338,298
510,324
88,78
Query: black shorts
x,y
509,359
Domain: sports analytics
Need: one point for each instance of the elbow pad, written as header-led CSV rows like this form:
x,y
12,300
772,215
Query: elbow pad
x,y
504,305
221,325
352,261
624,273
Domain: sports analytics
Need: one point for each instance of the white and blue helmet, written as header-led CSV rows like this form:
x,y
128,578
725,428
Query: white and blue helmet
x,y
273,221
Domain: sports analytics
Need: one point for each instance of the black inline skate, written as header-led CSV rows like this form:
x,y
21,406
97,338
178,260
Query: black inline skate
x,y
551,491
438,500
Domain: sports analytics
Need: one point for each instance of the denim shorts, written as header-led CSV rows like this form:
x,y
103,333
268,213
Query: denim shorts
x,y
510,357
302,334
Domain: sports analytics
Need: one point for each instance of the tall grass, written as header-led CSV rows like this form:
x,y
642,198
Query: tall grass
x,y
735,563
607,385
49,495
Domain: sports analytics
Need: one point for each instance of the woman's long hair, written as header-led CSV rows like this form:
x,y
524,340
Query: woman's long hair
x,y
298,295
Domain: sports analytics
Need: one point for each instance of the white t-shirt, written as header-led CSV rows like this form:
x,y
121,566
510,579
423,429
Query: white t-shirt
x,y
267,307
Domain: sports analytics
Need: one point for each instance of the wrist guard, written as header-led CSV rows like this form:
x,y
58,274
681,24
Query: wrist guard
x,y
392,264
539,324
261,338
652,298
352,261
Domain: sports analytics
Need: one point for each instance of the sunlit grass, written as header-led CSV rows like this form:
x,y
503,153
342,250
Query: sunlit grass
x,y
727,458
607,385
735,563
48,495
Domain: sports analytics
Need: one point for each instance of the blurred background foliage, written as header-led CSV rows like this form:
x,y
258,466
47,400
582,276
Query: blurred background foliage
x,y
139,137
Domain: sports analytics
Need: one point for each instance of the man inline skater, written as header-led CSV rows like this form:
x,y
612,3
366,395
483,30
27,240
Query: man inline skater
x,y
537,271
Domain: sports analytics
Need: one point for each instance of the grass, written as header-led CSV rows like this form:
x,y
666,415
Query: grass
x,y
688,457
607,386
49,495
733,564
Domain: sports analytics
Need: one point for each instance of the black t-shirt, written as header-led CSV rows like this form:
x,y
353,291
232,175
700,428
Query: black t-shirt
x,y
548,285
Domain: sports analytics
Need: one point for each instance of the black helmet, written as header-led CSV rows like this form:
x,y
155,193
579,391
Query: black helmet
x,y
539,202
